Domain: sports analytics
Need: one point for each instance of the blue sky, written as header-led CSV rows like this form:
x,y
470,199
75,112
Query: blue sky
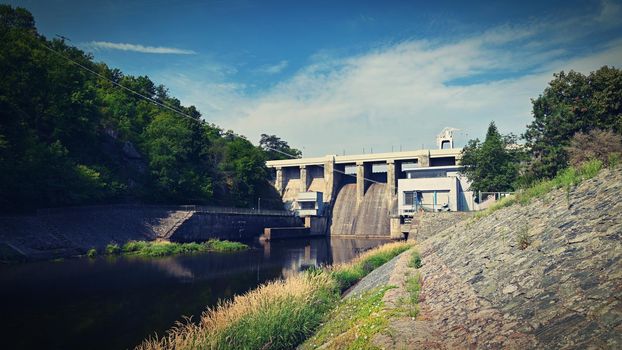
x,y
339,76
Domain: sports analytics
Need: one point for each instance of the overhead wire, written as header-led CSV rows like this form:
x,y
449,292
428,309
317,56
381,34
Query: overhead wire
x,y
181,113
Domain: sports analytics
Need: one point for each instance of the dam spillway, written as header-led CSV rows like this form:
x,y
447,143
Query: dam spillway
x,y
369,218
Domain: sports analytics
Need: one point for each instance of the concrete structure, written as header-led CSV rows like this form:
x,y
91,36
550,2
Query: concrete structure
x,y
434,189
326,174
309,204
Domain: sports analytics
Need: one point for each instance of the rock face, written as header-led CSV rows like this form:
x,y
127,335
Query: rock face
x,y
544,275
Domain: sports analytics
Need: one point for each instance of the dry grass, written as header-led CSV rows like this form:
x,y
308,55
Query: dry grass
x,y
277,315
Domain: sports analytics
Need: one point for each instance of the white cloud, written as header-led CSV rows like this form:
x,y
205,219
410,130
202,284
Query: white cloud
x,y
273,69
405,93
106,45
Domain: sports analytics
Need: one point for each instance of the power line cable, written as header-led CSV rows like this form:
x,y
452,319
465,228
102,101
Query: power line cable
x,y
181,113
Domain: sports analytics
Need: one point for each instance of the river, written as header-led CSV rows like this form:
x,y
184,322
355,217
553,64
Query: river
x,y
115,302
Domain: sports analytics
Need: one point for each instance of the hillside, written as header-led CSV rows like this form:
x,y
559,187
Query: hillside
x,y
74,131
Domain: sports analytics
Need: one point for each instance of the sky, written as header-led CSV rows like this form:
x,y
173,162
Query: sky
x,y
346,77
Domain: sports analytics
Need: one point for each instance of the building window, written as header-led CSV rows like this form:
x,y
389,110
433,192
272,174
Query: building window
x,y
409,198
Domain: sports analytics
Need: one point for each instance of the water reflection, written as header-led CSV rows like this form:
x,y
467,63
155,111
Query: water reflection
x,y
79,304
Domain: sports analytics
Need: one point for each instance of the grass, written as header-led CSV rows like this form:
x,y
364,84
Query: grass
x,y
276,315
157,249
353,323
415,260
348,274
566,179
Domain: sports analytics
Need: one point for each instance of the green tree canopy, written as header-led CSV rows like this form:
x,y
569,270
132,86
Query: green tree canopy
x,y
492,166
69,137
276,148
571,103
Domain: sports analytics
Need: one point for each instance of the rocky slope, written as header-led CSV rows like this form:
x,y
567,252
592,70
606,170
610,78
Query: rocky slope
x,y
544,275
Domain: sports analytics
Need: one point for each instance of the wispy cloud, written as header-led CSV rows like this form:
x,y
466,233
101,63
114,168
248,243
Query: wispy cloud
x,y
273,69
106,45
404,93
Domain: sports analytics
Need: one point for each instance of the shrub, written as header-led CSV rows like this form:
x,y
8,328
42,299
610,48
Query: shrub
x,y
91,253
113,249
596,144
415,260
522,239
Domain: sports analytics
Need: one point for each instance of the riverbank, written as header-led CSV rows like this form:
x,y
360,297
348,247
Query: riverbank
x,y
70,232
277,315
542,271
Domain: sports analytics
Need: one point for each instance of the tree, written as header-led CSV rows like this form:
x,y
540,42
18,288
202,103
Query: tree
x,y
69,137
276,148
571,103
492,166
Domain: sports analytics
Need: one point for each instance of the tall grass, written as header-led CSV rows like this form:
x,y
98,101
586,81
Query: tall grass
x,y
348,274
276,315
566,179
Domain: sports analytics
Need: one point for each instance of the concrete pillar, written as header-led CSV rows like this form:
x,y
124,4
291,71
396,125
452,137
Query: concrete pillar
x,y
396,228
329,179
280,181
392,186
362,171
304,179
424,160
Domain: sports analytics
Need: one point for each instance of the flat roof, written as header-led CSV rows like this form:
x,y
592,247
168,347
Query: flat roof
x,y
366,158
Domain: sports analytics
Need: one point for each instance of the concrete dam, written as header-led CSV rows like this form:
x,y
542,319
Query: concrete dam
x,y
370,218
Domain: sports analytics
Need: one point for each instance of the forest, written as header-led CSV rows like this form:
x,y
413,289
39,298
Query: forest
x,y
71,134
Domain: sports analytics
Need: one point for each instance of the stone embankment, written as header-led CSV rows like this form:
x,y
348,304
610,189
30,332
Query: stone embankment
x,y
68,232
547,274
544,275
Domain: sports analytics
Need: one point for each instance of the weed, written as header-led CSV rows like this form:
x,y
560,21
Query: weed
x,y
523,239
614,160
415,260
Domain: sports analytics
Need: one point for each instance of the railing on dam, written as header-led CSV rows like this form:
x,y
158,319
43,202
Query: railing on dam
x,y
141,207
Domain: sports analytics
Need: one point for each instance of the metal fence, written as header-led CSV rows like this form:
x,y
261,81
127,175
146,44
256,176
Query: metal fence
x,y
143,207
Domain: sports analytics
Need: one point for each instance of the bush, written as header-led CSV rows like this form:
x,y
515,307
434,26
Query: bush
x,y
113,249
596,144
91,253
415,260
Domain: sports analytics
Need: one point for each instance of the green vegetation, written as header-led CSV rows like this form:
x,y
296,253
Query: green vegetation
x,y
349,274
58,121
112,249
492,166
156,249
569,177
571,104
353,323
413,287
415,260
522,239
277,315
91,253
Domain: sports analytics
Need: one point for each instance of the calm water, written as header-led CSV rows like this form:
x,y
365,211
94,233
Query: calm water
x,y
114,303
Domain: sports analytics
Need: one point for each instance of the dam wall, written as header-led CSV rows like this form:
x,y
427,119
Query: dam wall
x,y
204,226
369,218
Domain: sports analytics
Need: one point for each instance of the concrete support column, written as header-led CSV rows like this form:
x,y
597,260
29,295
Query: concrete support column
x,y
329,179
392,186
304,179
280,181
362,171
424,160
